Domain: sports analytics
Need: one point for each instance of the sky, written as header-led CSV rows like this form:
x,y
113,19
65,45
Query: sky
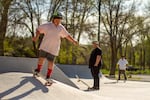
x,y
140,11
85,40
141,6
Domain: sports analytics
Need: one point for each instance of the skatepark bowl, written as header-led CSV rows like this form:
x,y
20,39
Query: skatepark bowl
x,y
17,83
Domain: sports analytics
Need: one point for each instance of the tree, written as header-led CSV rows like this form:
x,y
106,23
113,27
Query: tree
x,y
147,33
116,18
4,9
77,13
99,17
28,15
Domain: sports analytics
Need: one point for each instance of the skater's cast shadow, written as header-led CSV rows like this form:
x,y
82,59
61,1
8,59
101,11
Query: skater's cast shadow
x,y
38,86
114,82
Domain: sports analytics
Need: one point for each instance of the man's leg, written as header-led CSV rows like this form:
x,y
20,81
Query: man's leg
x,y
51,59
119,73
92,73
50,69
95,74
125,77
40,64
96,78
42,56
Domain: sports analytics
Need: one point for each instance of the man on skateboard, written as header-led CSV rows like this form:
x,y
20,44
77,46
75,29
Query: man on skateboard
x,y
50,45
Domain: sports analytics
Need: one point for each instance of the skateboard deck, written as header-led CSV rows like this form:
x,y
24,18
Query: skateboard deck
x,y
79,80
43,81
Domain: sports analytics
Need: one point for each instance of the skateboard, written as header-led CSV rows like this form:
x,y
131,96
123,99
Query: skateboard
x,y
79,80
40,78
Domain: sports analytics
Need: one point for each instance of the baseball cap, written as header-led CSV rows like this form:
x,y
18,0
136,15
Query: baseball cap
x,y
57,15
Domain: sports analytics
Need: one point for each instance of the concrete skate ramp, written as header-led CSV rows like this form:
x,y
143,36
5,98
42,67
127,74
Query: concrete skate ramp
x,y
17,83
26,65
71,70
22,86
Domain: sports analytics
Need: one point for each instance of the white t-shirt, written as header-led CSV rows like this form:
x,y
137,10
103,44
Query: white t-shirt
x,y
52,37
122,64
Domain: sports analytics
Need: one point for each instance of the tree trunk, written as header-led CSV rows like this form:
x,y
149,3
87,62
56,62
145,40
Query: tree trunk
x,y
113,57
144,54
99,19
140,59
3,23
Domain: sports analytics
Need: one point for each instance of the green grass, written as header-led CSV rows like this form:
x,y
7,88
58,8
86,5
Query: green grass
x,y
128,73
144,72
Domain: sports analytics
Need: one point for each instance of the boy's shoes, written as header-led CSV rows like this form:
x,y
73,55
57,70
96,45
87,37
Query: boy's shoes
x,y
94,88
36,72
49,82
118,80
125,80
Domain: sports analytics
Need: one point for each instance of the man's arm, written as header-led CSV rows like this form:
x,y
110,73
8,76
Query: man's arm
x,y
72,40
98,59
36,36
126,63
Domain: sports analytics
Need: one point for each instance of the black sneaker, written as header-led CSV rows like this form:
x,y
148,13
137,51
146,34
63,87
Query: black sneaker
x,y
49,82
94,88
36,73
125,80
118,80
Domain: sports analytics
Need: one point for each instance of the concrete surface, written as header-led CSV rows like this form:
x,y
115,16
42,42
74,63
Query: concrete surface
x,y
144,78
129,90
26,65
22,86
17,83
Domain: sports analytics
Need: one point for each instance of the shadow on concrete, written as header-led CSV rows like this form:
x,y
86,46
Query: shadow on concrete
x,y
110,82
38,86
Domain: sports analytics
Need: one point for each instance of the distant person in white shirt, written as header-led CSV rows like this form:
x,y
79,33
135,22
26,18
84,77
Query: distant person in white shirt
x,y
122,64
50,45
